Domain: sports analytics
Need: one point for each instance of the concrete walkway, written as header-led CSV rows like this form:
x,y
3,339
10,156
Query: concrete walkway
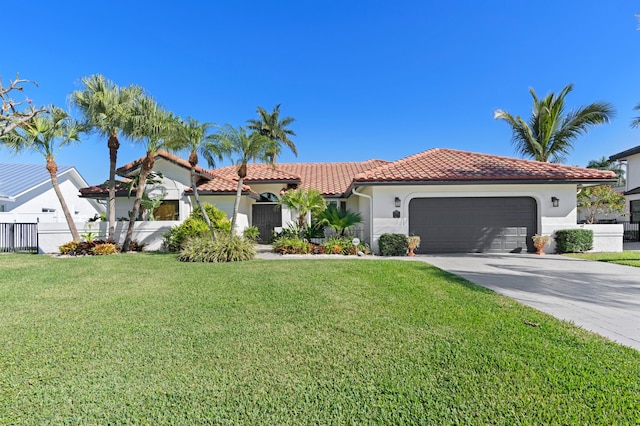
x,y
597,296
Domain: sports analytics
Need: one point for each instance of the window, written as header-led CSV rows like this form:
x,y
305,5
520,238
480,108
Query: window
x,y
634,209
48,210
168,210
2,207
269,197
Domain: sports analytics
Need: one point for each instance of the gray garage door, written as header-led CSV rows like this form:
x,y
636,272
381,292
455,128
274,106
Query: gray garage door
x,y
473,225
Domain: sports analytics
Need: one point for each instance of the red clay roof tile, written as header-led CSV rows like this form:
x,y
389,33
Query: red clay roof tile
x,y
167,156
452,165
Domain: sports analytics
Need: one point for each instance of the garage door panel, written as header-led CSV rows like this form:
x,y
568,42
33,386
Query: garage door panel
x,y
492,224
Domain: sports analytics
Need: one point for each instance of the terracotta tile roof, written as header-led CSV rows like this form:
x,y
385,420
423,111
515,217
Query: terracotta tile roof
x,y
100,191
127,168
219,184
452,165
331,179
258,173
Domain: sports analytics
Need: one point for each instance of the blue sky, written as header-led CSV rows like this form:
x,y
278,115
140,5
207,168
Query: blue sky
x,y
364,79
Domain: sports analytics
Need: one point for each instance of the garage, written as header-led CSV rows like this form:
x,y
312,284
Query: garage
x,y
473,225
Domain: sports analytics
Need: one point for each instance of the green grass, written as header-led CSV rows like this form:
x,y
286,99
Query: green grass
x,y
144,339
629,258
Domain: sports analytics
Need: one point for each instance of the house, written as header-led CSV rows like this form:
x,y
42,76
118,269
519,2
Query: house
x,y
456,201
27,195
631,159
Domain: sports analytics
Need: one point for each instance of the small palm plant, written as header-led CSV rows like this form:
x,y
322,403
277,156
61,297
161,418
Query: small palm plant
x,y
339,220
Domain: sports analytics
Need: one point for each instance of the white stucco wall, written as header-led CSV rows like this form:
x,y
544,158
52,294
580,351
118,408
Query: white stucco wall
x,y
549,218
53,235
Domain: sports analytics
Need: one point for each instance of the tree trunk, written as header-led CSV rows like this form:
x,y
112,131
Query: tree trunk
x,y
194,188
113,145
147,164
236,205
52,167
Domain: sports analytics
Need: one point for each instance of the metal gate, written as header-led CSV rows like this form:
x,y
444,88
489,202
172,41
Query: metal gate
x,y
19,238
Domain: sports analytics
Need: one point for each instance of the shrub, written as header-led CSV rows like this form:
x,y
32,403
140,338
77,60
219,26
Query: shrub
x,y
574,240
393,245
136,246
251,233
292,245
195,226
104,249
224,249
68,248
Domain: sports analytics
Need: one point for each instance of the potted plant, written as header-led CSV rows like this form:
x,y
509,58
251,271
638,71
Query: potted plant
x,y
539,241
413,242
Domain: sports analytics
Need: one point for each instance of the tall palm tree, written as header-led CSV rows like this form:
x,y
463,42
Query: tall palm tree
x,y
107,109
242,147
150,125
274,128
195,137
46,134
550,133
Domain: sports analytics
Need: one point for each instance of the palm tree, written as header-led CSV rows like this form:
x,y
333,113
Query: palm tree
x,y
339,220
246,147
274,128
605,164
194,136
107,109
303,201
636,121
46,134
150,125
550,133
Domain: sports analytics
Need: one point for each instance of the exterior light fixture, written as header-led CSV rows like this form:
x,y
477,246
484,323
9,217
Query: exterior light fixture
x,y
555,201
397,202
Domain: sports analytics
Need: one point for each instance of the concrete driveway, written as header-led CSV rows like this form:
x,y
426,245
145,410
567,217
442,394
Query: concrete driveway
x,y
597,296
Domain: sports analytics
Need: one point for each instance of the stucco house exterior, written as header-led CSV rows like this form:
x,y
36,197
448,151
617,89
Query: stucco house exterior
x,y
456,201
27,195
631,160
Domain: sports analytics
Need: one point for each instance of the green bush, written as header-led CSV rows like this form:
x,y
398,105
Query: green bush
x,y
224,249
195,226
574,240
292,245
252,233
343,245
393,244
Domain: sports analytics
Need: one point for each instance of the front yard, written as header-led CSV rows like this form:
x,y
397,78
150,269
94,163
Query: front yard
x,y
144,339
627,257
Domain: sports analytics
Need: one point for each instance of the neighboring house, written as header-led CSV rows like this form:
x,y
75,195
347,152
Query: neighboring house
x,y
456,201
27,195
631,159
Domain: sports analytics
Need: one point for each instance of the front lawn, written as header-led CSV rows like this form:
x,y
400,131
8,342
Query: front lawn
x,y
144,339
629,258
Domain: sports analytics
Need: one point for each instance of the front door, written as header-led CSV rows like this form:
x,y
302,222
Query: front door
x,y
265,217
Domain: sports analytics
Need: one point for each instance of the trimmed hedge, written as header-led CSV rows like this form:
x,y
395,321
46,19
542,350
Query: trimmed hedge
x,y
574,240
393,244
